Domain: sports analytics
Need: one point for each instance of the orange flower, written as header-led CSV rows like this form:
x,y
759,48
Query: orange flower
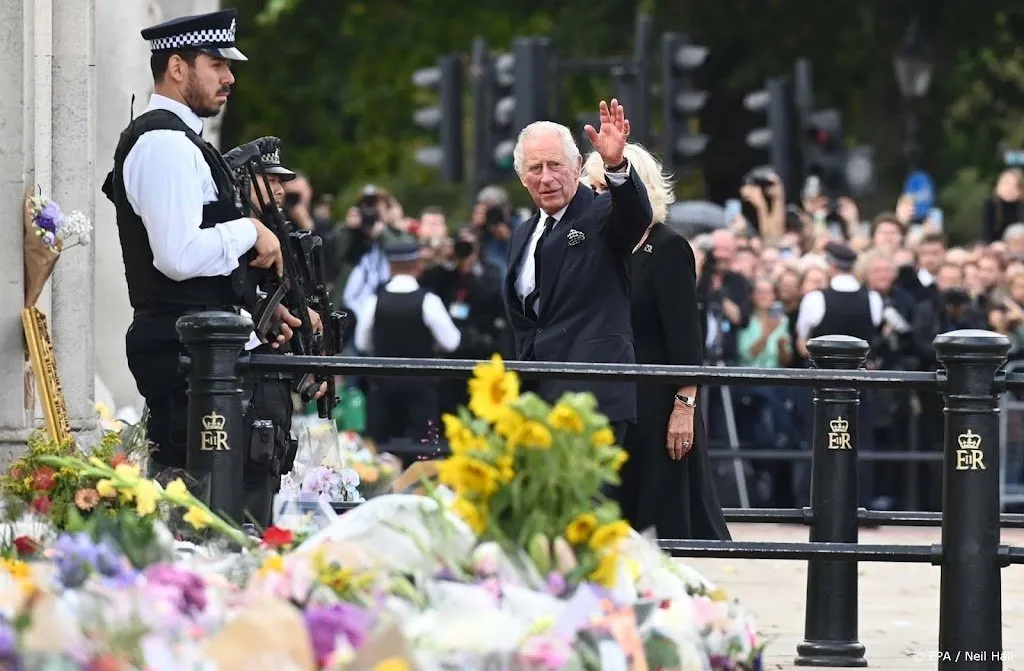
x,y
366,472
86,498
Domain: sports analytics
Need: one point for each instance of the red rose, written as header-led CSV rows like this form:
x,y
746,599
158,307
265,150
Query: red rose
x,y
666,604
117,460
42,504
276,537
44,479
26,546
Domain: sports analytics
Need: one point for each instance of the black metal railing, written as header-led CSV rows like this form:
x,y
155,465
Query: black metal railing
x,y
970,555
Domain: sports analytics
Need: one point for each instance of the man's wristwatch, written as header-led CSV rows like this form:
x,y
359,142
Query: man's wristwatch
x,y
688,401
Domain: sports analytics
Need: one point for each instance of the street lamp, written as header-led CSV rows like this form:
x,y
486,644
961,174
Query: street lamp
x,y
913,65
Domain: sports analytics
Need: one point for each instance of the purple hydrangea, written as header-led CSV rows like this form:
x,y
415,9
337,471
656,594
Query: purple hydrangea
x,y
189,587
76,559
50,217
327,623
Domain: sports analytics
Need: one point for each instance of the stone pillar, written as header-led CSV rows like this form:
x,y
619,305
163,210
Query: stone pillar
x,y
72,162
15,145
122,70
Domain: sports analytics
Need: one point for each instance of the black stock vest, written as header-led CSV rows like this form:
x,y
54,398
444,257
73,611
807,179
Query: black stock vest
x,y
148,288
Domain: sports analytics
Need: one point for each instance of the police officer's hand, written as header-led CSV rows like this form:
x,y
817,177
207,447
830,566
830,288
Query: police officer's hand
x,y
267,247
315,323
321,391
285,321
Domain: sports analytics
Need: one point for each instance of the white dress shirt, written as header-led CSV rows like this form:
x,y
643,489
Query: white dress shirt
x,y
812,307
167,182
526,279
435,316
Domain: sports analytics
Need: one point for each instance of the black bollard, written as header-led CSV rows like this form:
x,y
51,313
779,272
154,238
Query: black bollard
x,y
215,458
970,600
830,618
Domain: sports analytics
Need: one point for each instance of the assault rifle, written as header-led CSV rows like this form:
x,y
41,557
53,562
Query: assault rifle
x,y
302,287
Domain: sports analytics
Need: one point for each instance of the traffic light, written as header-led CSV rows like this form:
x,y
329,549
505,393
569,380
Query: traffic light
x,y
777,137
681,139
519,85
824,149
445,118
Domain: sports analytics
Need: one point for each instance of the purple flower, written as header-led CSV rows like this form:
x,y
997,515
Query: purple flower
x,y
50,217
48,239
76,559
556,583
326,623
189,588
113,565
9,660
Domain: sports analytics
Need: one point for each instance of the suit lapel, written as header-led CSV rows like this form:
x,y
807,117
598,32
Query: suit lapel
x,y
557,243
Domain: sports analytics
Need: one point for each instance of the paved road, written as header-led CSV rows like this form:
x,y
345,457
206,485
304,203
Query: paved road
x,y
899,603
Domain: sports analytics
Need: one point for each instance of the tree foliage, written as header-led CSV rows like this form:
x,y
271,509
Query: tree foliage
x,y
333,79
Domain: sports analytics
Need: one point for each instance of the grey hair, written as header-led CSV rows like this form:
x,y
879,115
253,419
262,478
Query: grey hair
x,y
493,196
541,128
1013,231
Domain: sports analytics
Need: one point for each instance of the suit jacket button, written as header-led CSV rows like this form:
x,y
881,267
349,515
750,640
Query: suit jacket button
x,y
540,330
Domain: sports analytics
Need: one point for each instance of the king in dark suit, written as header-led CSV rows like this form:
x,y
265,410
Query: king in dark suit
x,y
567,289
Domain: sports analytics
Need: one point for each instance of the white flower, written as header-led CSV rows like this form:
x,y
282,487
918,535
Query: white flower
x,y
76,225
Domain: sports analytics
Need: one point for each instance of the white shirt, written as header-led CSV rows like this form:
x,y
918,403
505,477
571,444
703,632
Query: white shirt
x,y
435,316
526,280
812,307
167,182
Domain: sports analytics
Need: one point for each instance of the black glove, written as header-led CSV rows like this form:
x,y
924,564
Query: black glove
x,y
242,154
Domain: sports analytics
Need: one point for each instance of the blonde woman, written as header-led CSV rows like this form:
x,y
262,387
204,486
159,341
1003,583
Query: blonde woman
x,y
667,481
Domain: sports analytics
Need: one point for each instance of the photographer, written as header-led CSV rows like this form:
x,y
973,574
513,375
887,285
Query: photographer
x,y
764,207
723,298
369,226
493,219
470,289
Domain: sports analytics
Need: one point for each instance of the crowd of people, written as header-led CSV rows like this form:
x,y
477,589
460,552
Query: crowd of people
x,y
756,275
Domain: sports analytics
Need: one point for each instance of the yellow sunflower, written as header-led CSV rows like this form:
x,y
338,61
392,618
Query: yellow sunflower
x,y
491,389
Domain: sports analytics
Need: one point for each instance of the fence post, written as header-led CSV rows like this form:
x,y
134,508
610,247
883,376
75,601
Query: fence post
x,y
215,458
970,597
830,624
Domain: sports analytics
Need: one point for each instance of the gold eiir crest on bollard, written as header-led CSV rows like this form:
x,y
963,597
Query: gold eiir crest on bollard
x,y
969,456
44,369
839,436
214,437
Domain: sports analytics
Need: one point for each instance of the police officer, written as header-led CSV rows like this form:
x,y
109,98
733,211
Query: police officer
x,y
185,244
848,308
268,413
404,320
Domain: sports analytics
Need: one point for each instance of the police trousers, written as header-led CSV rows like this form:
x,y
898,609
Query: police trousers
x,y
154,353
403,408
270,448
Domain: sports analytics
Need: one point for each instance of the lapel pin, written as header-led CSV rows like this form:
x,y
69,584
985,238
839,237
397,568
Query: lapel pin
x,y
648,248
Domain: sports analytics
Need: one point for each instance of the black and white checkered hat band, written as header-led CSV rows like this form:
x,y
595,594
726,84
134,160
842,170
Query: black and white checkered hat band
x,y
215,37
273,158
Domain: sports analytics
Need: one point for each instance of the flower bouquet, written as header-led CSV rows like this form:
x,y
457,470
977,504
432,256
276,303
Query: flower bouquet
x,y
48,232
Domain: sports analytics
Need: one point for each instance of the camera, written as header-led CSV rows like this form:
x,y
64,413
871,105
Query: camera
x,y
494,217
367,206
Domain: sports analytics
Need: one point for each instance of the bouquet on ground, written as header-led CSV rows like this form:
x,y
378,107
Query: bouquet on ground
x,y
34,484
48,232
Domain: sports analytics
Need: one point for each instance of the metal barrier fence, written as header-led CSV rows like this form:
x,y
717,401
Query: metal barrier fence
x,y
970,555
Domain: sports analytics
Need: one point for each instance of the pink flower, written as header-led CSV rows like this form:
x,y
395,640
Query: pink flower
x,y
546,652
